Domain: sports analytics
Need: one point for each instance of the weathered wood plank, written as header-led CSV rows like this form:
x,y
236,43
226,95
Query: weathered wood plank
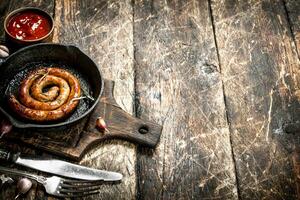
x,y
103,29
178,84
293,11
47,6
3,10
260,68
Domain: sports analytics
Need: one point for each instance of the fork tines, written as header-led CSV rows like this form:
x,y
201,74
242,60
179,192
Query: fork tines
x,y
78,188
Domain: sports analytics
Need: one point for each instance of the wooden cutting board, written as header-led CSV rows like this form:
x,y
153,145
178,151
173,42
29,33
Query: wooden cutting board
x,y
74,141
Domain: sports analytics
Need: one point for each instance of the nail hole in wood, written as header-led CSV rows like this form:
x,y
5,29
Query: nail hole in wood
x,y
143,129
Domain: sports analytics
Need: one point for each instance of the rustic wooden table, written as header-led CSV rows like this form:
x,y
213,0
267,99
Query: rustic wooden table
x,y
220,76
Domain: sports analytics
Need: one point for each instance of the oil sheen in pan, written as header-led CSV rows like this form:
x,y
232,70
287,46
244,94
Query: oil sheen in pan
x,y
83,105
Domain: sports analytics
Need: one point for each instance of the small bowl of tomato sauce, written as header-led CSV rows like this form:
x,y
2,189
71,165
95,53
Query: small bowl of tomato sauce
x,y
29,25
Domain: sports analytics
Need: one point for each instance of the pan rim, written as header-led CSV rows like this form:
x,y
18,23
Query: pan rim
x,y
20,124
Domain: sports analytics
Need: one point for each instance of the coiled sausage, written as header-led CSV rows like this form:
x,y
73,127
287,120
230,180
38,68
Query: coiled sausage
x,y
57,103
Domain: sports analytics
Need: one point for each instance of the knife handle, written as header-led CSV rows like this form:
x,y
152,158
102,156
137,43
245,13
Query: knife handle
x,y
8,156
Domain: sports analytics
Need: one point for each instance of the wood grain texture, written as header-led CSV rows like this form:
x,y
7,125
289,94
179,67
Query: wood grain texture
x,y
178,84
293,11
176,79
3,10
103,29
260,67
296,163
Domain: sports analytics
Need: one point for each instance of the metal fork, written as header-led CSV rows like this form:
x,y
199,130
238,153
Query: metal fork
x,y
58,186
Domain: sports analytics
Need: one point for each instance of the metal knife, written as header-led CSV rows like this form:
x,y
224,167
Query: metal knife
x,y
61,168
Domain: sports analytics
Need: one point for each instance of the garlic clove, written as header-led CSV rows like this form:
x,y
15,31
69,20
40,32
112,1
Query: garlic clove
x,y
4,52
23,186
5,127
101,124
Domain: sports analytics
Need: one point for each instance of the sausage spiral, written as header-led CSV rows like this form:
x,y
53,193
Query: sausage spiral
x,y
57,103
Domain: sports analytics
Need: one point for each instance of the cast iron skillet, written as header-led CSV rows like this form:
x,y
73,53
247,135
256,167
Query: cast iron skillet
x,y
17,65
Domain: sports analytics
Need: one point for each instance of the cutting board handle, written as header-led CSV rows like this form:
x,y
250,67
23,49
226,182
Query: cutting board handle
x,y
122,125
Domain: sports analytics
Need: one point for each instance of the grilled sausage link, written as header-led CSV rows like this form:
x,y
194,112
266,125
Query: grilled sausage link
x,y
57,103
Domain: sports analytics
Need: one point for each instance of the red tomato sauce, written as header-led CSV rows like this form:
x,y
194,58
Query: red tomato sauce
x,y
28,25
